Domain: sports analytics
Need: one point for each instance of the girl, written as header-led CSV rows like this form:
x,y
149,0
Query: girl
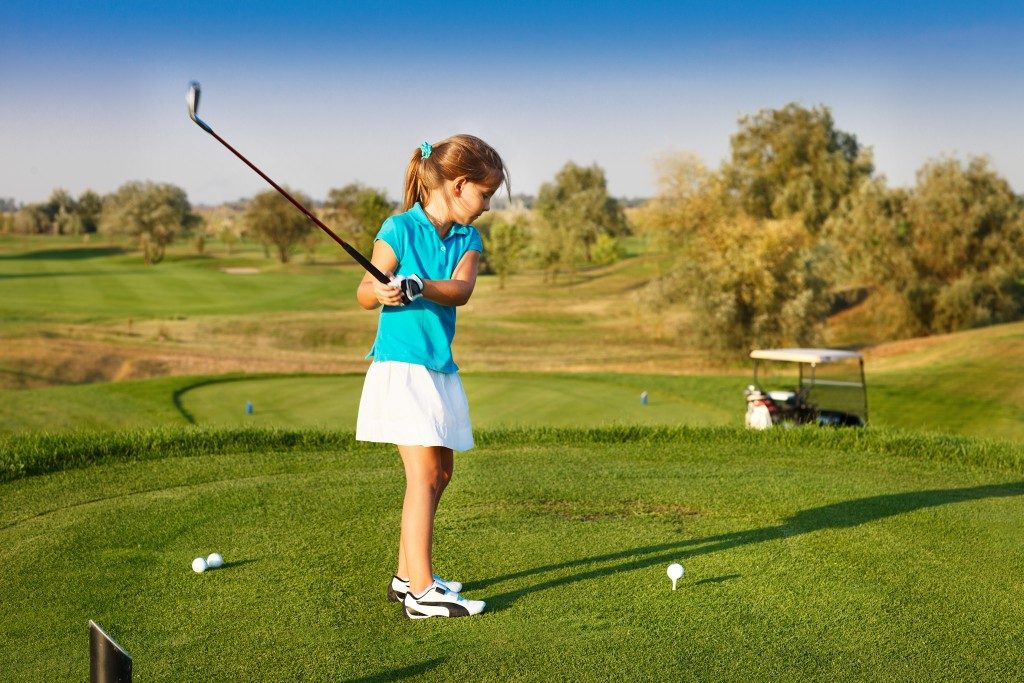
x,y
412,395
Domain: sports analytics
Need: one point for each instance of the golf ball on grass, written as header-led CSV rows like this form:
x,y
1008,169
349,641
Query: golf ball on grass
x,y
214,561
199,565
675,572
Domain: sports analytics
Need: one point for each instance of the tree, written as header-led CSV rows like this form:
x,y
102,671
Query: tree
x,y
574,210
152,213
31,219
871,234
228,229
606,250
755,282
794,162
754,265
690,198
62,210
947,254
358,213
504,243
90,206
277,223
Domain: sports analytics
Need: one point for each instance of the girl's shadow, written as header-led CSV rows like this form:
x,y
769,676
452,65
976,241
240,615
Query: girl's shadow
x,y
836,516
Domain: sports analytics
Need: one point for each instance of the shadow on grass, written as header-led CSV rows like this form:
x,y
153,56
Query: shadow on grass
x,y
233,564
718,579
69,254
43,276
411,671
842,515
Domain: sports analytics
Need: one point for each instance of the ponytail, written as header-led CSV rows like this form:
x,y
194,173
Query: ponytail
x,y
458,156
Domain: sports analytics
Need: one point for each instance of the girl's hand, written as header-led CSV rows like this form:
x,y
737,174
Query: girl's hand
x,y
387,294
370,294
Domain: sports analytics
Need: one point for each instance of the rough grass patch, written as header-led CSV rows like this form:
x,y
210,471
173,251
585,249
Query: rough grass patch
x,y
30,454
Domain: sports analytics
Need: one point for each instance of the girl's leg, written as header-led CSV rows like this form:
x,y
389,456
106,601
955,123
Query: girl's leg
x,y
428,469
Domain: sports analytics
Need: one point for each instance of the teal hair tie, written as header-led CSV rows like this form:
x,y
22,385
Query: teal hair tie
x,y
426,150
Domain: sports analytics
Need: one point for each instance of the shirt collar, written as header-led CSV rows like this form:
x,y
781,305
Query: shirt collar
x,y
421,216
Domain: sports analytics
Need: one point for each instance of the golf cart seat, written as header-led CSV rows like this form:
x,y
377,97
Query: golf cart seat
x,y
787,397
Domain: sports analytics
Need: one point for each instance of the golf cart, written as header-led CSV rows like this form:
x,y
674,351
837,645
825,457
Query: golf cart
x,y
829,388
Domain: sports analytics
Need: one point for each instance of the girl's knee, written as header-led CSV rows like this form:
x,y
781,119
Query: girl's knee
x,y
441,480
434,480
430,472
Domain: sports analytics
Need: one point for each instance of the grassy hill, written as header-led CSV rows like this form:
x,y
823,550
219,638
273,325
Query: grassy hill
x,y
91,313
534,353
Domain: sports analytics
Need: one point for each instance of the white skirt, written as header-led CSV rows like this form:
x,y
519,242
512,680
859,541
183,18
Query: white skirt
x,y
410,405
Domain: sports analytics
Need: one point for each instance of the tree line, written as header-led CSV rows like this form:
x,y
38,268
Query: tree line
x,y
795,225
573,221
154,215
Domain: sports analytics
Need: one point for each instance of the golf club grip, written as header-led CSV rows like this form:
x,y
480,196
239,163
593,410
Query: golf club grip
x,y
352,251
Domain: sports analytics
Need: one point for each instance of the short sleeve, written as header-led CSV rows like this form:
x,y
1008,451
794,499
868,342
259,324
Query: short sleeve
x,y
390,233
475,243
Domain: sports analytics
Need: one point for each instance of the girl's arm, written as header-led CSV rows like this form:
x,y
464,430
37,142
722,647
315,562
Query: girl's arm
x,y
455,292
372,293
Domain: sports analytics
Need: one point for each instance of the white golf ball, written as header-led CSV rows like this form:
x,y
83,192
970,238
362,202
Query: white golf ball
x,y
199,565
214,561
675,571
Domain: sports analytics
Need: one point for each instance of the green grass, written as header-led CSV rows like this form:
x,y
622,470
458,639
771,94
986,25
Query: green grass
x,y
891,553
66,283
66,308
809,555
943,399
497,399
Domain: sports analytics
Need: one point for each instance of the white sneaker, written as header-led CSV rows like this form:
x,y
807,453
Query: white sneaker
x,y
399,587
438,601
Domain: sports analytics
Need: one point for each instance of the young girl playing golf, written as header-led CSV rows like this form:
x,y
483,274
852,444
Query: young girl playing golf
x,y
412,395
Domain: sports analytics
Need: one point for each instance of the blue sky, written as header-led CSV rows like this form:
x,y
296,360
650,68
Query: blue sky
x,y
320,94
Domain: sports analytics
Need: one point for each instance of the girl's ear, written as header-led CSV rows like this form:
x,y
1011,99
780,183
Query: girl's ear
x,y
458,185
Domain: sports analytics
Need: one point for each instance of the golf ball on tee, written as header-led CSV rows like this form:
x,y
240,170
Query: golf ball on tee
x,y
214,561
199,565
675,572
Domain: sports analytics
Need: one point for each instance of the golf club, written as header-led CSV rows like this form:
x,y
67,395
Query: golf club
x,y
193,105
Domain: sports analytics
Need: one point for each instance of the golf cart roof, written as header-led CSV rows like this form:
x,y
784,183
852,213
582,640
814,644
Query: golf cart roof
x,y
814,356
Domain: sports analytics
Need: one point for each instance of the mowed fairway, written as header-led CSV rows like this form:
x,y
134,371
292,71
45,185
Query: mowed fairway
x,y
809,555
497,399
75,284
331,401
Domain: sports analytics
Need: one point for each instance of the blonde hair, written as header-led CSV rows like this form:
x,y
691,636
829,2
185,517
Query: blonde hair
x,y
458,156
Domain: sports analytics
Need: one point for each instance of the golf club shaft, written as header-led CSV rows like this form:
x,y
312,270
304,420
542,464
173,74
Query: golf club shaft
x,y
353,252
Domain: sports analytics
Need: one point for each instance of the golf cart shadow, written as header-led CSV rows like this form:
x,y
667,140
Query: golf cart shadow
x,y
842,515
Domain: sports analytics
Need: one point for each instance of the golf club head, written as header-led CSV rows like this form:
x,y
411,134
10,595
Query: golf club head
x,y
193,98
193,104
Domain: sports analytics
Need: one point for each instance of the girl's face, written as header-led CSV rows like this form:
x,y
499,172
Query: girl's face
x,y
472,200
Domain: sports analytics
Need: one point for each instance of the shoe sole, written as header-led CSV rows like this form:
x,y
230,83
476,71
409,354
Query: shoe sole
x,y
412,613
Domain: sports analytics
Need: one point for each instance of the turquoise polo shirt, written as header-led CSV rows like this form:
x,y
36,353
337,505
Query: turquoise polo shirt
x,y
421,332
